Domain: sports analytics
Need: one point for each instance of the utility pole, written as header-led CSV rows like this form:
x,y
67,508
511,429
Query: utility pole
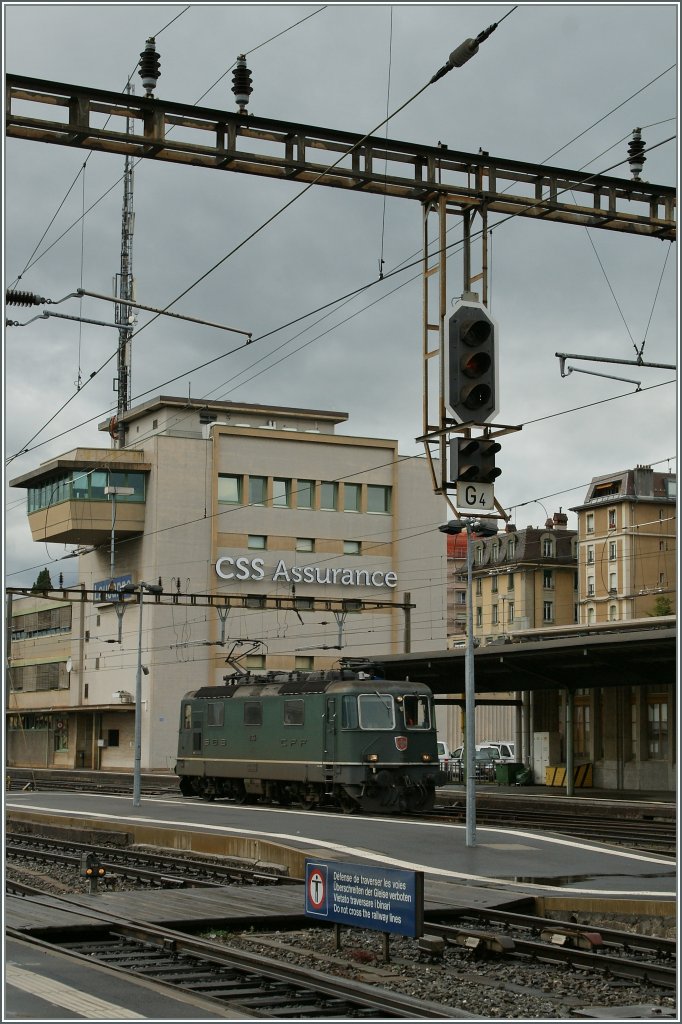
x,y
124,290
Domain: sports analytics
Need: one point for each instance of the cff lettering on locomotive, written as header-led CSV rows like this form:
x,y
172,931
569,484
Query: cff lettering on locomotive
x,y
334,739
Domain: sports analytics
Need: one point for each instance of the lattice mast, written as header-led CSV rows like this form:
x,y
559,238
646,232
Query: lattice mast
x,y
124,289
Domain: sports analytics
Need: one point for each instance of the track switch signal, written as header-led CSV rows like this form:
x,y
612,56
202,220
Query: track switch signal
x,y
476,460
91,867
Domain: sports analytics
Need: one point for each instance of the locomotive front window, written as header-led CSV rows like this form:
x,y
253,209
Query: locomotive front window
x,y
376,711
417,713
216,713
294,712
253,712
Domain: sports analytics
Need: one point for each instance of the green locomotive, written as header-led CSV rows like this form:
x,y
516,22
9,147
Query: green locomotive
x,y
318,739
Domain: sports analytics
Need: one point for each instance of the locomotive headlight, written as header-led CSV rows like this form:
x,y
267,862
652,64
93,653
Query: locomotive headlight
x,y
426,757
372,757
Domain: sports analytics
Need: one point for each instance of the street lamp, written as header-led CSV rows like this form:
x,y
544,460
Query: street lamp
x,y
131,588
112,491
482,530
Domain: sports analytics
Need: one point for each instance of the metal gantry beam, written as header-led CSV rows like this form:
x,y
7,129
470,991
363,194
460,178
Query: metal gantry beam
x,y
87,118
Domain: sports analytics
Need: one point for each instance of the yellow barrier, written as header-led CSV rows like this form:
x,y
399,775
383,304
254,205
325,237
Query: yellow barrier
x,y
555,775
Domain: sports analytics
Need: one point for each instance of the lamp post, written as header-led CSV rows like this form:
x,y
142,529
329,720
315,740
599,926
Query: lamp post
x,y
139,588
112,491
483,530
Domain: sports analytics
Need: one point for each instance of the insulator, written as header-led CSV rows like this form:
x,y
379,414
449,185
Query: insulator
x,y
636,157
13,298
149,66
241,83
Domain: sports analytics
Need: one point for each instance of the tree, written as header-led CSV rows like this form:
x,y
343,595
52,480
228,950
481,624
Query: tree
x,y
662,606
43,583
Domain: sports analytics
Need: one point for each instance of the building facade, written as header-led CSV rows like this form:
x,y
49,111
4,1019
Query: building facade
x,y
304,544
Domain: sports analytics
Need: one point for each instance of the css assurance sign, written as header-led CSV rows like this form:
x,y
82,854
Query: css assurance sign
x,y
243,568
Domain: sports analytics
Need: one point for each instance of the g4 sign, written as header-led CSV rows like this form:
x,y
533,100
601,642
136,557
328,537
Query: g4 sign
x,y
475,496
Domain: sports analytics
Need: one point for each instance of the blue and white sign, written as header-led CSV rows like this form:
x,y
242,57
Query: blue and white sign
x,y
107,590
365,896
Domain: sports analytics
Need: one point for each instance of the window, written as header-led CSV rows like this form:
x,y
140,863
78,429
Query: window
x,y
329,495
671,487
548,579
479,554
496,550
576,580
590,586
187,716
495,615
591,616
255,661
479,616
305,493
548,611
253,712
460,597
590,554
657,726
510,612
582,728
479,586
256,542
305,544
61,738
589,522
612,519
351,497
548,548
510,581
351,547
376,711
511,548
613,551
613,613
493,584
612,581
416,712
303,604
378,499
230,488
349,712
113,737
215,713
258,490
281,493
303,662
294,712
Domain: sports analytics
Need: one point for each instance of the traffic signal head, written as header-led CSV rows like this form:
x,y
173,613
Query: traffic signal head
x,y
471,364
476,460
91,867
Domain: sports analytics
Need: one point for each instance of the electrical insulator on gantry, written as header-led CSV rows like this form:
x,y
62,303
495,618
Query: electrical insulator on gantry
x,y
14,298
241,83
636,156
149,66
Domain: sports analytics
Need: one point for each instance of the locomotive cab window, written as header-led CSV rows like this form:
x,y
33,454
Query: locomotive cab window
x,y
416,712
376,711
253,712
294,712
215,714
187,716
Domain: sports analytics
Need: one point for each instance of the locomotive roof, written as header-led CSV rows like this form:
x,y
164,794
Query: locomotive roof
x,y
298,683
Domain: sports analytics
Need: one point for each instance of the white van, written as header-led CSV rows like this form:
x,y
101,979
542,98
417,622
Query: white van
x,y
444,757
506,749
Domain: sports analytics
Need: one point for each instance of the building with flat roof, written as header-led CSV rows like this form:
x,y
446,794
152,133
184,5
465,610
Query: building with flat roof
x,y
304,544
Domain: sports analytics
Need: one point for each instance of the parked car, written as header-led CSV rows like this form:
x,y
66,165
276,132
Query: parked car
x,y
506,749
444,757
485,759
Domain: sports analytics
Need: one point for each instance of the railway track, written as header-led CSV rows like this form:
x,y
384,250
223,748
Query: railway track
x,y
152,867
245,982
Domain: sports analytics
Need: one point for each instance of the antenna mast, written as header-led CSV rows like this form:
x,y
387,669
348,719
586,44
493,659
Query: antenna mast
x,y
124,289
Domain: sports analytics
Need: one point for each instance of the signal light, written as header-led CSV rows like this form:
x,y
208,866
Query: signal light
x,y
91,867
476,460
471,367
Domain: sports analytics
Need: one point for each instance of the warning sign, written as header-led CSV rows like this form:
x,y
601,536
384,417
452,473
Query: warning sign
x,y
366,896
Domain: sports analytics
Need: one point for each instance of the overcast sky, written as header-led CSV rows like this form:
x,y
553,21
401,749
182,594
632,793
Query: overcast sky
x,y
543,78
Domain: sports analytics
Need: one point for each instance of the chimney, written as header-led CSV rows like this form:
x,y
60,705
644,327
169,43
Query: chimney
x,y
510,528
561,520
644,482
